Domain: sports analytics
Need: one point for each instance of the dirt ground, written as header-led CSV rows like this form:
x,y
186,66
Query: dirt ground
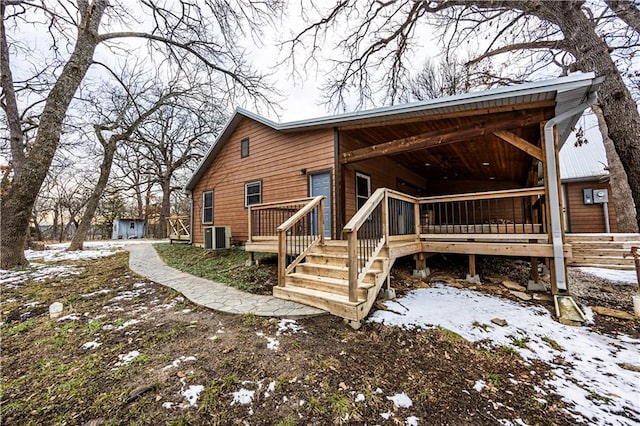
x,y
130,351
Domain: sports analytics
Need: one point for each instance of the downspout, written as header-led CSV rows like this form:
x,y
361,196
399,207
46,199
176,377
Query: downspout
x,y
554,196
190,194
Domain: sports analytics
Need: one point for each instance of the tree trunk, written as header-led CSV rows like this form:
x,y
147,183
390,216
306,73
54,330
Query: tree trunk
x,y
94,199
165,210
621,193
618,108
16,206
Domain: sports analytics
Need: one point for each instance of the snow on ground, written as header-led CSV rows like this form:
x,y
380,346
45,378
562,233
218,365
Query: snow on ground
x,y
192,393
92,250
127,358
401,400
622,277
36,272
592,380
243,396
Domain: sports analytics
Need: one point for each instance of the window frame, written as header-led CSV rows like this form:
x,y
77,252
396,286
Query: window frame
x,y
244,142
358,196
246,193
204,207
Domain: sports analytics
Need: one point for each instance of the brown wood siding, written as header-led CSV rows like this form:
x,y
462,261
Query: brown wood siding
x,y
384,172
275,158
588,218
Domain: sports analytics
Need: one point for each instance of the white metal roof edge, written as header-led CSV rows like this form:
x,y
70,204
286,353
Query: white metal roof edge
x,y
557,85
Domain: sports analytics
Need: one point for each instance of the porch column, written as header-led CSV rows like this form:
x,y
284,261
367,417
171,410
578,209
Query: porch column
x,y
558,264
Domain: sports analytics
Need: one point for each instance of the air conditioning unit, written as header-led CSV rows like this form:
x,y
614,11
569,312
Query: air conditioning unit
x,y
217,237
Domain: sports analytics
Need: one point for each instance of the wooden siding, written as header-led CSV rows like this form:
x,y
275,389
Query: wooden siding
x,y
588,218
384,172
275,158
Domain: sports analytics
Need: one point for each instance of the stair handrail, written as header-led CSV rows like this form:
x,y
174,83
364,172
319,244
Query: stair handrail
x,y
356,254
303,244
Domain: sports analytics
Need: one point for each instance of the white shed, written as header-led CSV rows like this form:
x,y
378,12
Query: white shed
x,y
128,228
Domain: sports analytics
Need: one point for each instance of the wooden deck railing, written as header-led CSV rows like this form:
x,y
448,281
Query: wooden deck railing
x,y
367,233
517,211
298,234
178,228
264,219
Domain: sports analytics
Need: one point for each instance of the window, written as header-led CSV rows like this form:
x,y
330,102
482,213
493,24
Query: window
x,y
244,148
132,225
252,193
207,207
363,189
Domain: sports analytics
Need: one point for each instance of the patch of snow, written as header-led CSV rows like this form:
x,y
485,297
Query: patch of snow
x,y
138,285
59,253
128,295
401,400
96,293
91,345
271,388
386,415
411,421
617,276
272,343
127,323
126,358
360,397
288,326
31,304
176,362
71,317
192,393
378,390
594,358
243,396
479,386
168,405
114,308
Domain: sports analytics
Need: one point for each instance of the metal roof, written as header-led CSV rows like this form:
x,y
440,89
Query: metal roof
x,y
568,92
588,161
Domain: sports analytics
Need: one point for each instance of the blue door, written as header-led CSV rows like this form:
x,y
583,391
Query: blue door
x,y
320,184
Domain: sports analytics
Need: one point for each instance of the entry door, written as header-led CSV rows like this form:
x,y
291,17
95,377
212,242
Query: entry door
x,y
320,184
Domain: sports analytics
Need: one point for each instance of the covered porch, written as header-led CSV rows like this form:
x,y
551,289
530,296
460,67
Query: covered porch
x,y
475,174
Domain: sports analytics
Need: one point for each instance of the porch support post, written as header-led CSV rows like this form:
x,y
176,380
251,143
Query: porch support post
x,y
472,277
552,186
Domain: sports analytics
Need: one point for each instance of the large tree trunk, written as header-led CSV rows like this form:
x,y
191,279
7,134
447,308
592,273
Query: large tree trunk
x,y
16,206
623,201
618,108
94,199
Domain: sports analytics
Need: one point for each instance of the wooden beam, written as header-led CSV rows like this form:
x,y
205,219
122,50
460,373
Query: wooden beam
x,y
441,137
520,143
455,114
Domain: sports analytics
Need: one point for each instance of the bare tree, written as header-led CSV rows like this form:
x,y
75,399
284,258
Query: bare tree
x,y
176,137
446,78
182,33
570,35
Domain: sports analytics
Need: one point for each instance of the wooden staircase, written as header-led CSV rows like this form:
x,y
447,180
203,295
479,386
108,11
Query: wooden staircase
x,y
602,250
322,281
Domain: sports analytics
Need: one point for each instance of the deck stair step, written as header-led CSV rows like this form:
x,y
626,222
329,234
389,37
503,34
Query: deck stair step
x,y
336,304
602,250
327,284
322,281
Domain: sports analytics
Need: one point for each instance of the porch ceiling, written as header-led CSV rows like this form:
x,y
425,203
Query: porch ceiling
x,y
484,157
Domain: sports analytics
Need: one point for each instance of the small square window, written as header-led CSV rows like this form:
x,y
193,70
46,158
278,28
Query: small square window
x,y
244,148
252,193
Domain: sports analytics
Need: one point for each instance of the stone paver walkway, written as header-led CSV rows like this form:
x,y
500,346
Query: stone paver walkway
x,y
144,260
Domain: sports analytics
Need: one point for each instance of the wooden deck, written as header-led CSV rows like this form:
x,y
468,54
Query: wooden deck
x,y
344,277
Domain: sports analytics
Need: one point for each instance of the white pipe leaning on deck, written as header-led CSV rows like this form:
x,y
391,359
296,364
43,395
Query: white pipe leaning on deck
x,y
554,197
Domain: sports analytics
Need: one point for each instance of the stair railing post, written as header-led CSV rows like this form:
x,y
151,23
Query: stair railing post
x,y
385,218
416,217
321,220
282,256
352,250
250,225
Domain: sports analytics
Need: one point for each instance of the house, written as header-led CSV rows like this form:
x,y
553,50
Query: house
x,y
128,228
340,198
583,171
